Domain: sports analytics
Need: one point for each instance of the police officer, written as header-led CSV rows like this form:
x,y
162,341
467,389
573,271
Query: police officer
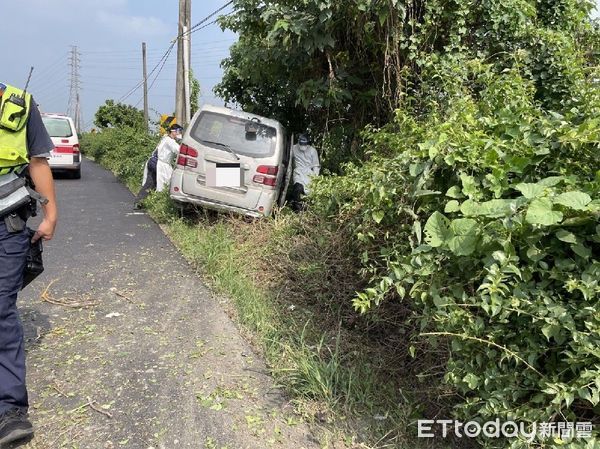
x,y
24,143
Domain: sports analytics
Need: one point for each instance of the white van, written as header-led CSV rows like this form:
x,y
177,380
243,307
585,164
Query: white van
x,y
232,161
66,155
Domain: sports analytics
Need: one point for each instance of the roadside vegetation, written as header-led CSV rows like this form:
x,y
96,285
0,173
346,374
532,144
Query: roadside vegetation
x,y
448,264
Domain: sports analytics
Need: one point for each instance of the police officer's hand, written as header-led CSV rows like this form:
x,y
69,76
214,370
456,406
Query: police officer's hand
x,y
45,231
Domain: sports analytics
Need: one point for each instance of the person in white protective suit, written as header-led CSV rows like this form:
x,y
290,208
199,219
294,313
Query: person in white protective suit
x,y
159,168
306,165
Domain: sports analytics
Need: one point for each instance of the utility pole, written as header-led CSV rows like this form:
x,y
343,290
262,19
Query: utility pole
x,y
74,108
188,60
186,76
145,86
182,94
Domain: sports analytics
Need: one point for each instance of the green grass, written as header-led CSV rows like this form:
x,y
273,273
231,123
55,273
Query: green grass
x,y
335,380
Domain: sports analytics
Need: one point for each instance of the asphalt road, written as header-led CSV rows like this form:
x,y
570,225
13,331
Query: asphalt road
x,y
127,348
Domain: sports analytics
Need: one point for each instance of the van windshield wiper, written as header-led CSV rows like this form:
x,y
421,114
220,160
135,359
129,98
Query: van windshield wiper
x,y
222,145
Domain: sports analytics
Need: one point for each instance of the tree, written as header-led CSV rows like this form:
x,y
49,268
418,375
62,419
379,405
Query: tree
x,y
118,115
334,67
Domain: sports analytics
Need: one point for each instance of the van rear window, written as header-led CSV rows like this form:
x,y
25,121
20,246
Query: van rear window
x,y
232,131
57,127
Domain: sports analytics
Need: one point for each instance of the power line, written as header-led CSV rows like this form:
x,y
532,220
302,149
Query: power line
x,y
155,78
138,85
198,27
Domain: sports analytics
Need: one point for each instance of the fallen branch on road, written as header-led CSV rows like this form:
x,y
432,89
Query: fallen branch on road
x,y
93,405
66,302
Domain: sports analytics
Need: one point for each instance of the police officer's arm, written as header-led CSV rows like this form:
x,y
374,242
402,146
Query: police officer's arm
x,y
39,146
40,173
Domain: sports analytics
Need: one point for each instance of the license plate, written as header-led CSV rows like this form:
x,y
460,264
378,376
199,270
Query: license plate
x,y
224,175
62,159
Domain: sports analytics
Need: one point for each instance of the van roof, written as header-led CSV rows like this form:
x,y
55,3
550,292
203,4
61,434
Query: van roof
x,y
241,114
54,114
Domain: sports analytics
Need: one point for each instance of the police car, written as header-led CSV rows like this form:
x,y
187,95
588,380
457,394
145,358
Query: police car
x,y
66,155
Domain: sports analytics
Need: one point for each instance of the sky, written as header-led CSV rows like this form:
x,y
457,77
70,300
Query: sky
x,y
108,35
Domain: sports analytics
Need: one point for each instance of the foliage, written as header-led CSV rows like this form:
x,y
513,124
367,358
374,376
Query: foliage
x,y
487,220
118,115
122,150
479,203
195,93
334,67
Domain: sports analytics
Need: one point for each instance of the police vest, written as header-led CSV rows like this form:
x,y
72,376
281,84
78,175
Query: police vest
x,y
14,113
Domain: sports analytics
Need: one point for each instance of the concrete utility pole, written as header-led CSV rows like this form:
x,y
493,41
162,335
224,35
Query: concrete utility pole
x,y
145,86
74,108
182,93
186,76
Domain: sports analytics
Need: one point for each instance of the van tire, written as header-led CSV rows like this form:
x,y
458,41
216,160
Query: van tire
x,y
76,174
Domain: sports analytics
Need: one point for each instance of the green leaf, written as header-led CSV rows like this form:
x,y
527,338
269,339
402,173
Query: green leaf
x,y
472,380
378,216
455,192
581,250
491,209
530,191
573,200
283,24
452,206
540,212
566,236
550,181
437,230
412,351
469,185
420,193
551,331
418,230
464,236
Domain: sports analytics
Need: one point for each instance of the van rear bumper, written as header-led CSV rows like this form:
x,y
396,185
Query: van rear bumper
x,y
215,205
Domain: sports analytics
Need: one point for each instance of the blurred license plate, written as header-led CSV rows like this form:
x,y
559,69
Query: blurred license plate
x,y
61,159
224,175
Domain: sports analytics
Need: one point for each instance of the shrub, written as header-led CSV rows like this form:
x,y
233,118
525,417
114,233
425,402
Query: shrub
x,y
485,216
124,151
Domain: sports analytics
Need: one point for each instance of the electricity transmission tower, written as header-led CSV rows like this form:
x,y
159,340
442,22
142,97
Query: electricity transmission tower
x,y
74,109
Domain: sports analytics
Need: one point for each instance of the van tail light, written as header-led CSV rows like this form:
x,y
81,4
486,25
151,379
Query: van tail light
x,y
267,176
268,170
67,149
265,180
188,151
187,157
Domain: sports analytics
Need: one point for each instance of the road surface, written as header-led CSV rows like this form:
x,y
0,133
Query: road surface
x,y
127,348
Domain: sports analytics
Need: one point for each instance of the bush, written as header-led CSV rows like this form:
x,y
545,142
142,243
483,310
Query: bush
x,y
487,221
124,151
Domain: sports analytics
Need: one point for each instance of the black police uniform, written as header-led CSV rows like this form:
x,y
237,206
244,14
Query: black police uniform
x,y
13,253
